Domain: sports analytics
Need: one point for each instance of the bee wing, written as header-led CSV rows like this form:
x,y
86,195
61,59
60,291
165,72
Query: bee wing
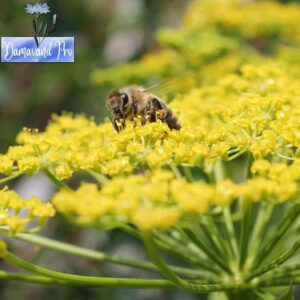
x,y
157,104
154,105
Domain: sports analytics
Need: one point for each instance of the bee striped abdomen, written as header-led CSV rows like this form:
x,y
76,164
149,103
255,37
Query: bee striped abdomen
x,y
171,120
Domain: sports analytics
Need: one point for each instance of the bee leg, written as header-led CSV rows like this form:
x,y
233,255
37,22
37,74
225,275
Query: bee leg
x,y
116,119
156,110
135,109
149,113
114,123
135,112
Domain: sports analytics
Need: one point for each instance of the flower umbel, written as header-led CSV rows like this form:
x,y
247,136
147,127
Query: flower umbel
x,y
18,214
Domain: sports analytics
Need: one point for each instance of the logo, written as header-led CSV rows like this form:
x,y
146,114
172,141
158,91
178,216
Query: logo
x,y
41,48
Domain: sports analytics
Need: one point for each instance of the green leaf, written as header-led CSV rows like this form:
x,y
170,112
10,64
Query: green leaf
x,y
34,25
54,19
40,29
45,30
36,41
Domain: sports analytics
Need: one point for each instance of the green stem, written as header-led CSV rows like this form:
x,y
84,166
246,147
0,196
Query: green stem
x,y
284,272
245,232
36,16
186,252
230,232
176,171
236,155
83,252
88,280
130,230
68,279
284,156
216,235
278,261
184,247
27,278
102,179
11,177
59,183
261,226
241,294
277,282
211,236
210,254
157,260
220,175
168,273
281,275
278,234
219,172
191,258
97,255
188,174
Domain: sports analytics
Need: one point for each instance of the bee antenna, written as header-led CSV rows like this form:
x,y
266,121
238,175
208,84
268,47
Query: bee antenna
x,y
157,84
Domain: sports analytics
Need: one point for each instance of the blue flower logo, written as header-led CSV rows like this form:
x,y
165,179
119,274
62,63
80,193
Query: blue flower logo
x,y
37,9
41,29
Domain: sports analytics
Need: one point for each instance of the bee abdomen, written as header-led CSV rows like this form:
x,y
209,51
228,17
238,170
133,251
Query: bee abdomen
x,y
168,116
172,120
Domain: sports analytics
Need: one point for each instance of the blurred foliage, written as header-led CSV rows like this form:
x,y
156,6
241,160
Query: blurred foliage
x,y
215,37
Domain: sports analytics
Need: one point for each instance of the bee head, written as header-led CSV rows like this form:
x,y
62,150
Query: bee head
x,y
117,104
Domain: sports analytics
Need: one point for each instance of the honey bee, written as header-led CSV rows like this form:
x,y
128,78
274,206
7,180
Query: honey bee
x,y
129,102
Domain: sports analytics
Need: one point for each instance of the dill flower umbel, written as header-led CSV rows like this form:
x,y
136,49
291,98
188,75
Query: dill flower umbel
x,y
264,121
148,201
18,214
212,131
127,199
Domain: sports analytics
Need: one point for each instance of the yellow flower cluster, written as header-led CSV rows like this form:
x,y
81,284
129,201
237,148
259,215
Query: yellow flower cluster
x,y
18,214
251,19
216,37
159,200
66,146
256,111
